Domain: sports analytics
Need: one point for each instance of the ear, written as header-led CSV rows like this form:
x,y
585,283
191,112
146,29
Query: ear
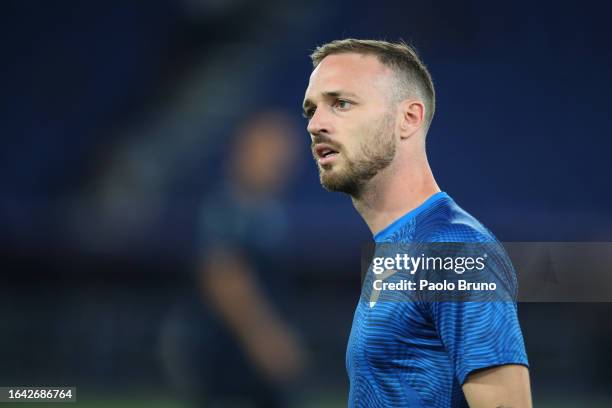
x,y
412,115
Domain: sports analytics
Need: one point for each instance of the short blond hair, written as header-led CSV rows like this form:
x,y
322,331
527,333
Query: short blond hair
x,y
400,57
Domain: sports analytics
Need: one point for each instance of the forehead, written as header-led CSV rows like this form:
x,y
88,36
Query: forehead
x,y
348,72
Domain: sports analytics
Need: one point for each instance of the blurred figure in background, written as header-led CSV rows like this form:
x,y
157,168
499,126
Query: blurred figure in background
x,y
251,354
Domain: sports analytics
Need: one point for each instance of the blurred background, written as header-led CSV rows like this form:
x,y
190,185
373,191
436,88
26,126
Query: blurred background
x,y
164,238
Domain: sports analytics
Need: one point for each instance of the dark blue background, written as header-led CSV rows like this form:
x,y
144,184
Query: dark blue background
x,y
96,95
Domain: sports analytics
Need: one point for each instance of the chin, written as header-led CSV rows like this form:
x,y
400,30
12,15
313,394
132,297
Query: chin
x,y
329,177
338,183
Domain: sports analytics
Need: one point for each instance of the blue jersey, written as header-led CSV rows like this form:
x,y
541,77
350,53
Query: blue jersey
x,y
419,354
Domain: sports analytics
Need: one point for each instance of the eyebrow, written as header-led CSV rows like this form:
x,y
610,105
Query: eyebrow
x,y
328,95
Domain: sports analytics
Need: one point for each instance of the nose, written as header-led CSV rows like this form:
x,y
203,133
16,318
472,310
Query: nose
x,y
319,123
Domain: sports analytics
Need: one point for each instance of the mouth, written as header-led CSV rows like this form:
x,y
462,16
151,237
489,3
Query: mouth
x,y
324,153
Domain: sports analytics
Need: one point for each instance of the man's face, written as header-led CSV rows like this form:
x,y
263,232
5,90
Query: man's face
x,y
351,120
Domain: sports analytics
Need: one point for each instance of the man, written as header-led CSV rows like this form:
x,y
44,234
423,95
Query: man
x,y
369,105
238,347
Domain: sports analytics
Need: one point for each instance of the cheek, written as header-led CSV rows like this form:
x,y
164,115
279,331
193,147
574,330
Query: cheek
x,y
353,136
359,135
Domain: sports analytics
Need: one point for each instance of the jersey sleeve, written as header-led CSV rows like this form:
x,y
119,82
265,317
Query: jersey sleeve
x,y
479,334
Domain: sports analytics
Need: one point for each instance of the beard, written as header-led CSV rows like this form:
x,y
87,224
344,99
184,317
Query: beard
x,y
375,153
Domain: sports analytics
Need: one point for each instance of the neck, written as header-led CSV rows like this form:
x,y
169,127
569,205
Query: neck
x,y
394,192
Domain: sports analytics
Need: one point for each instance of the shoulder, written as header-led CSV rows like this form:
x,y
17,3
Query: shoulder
x,y
448,222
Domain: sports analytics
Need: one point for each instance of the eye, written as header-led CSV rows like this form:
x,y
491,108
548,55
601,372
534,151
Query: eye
x,y
342,104
308,113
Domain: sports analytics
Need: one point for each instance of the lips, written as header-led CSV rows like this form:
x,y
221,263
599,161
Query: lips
x,y
325,153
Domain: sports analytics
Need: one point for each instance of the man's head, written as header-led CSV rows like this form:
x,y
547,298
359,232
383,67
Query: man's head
x,y
364,97
264,151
